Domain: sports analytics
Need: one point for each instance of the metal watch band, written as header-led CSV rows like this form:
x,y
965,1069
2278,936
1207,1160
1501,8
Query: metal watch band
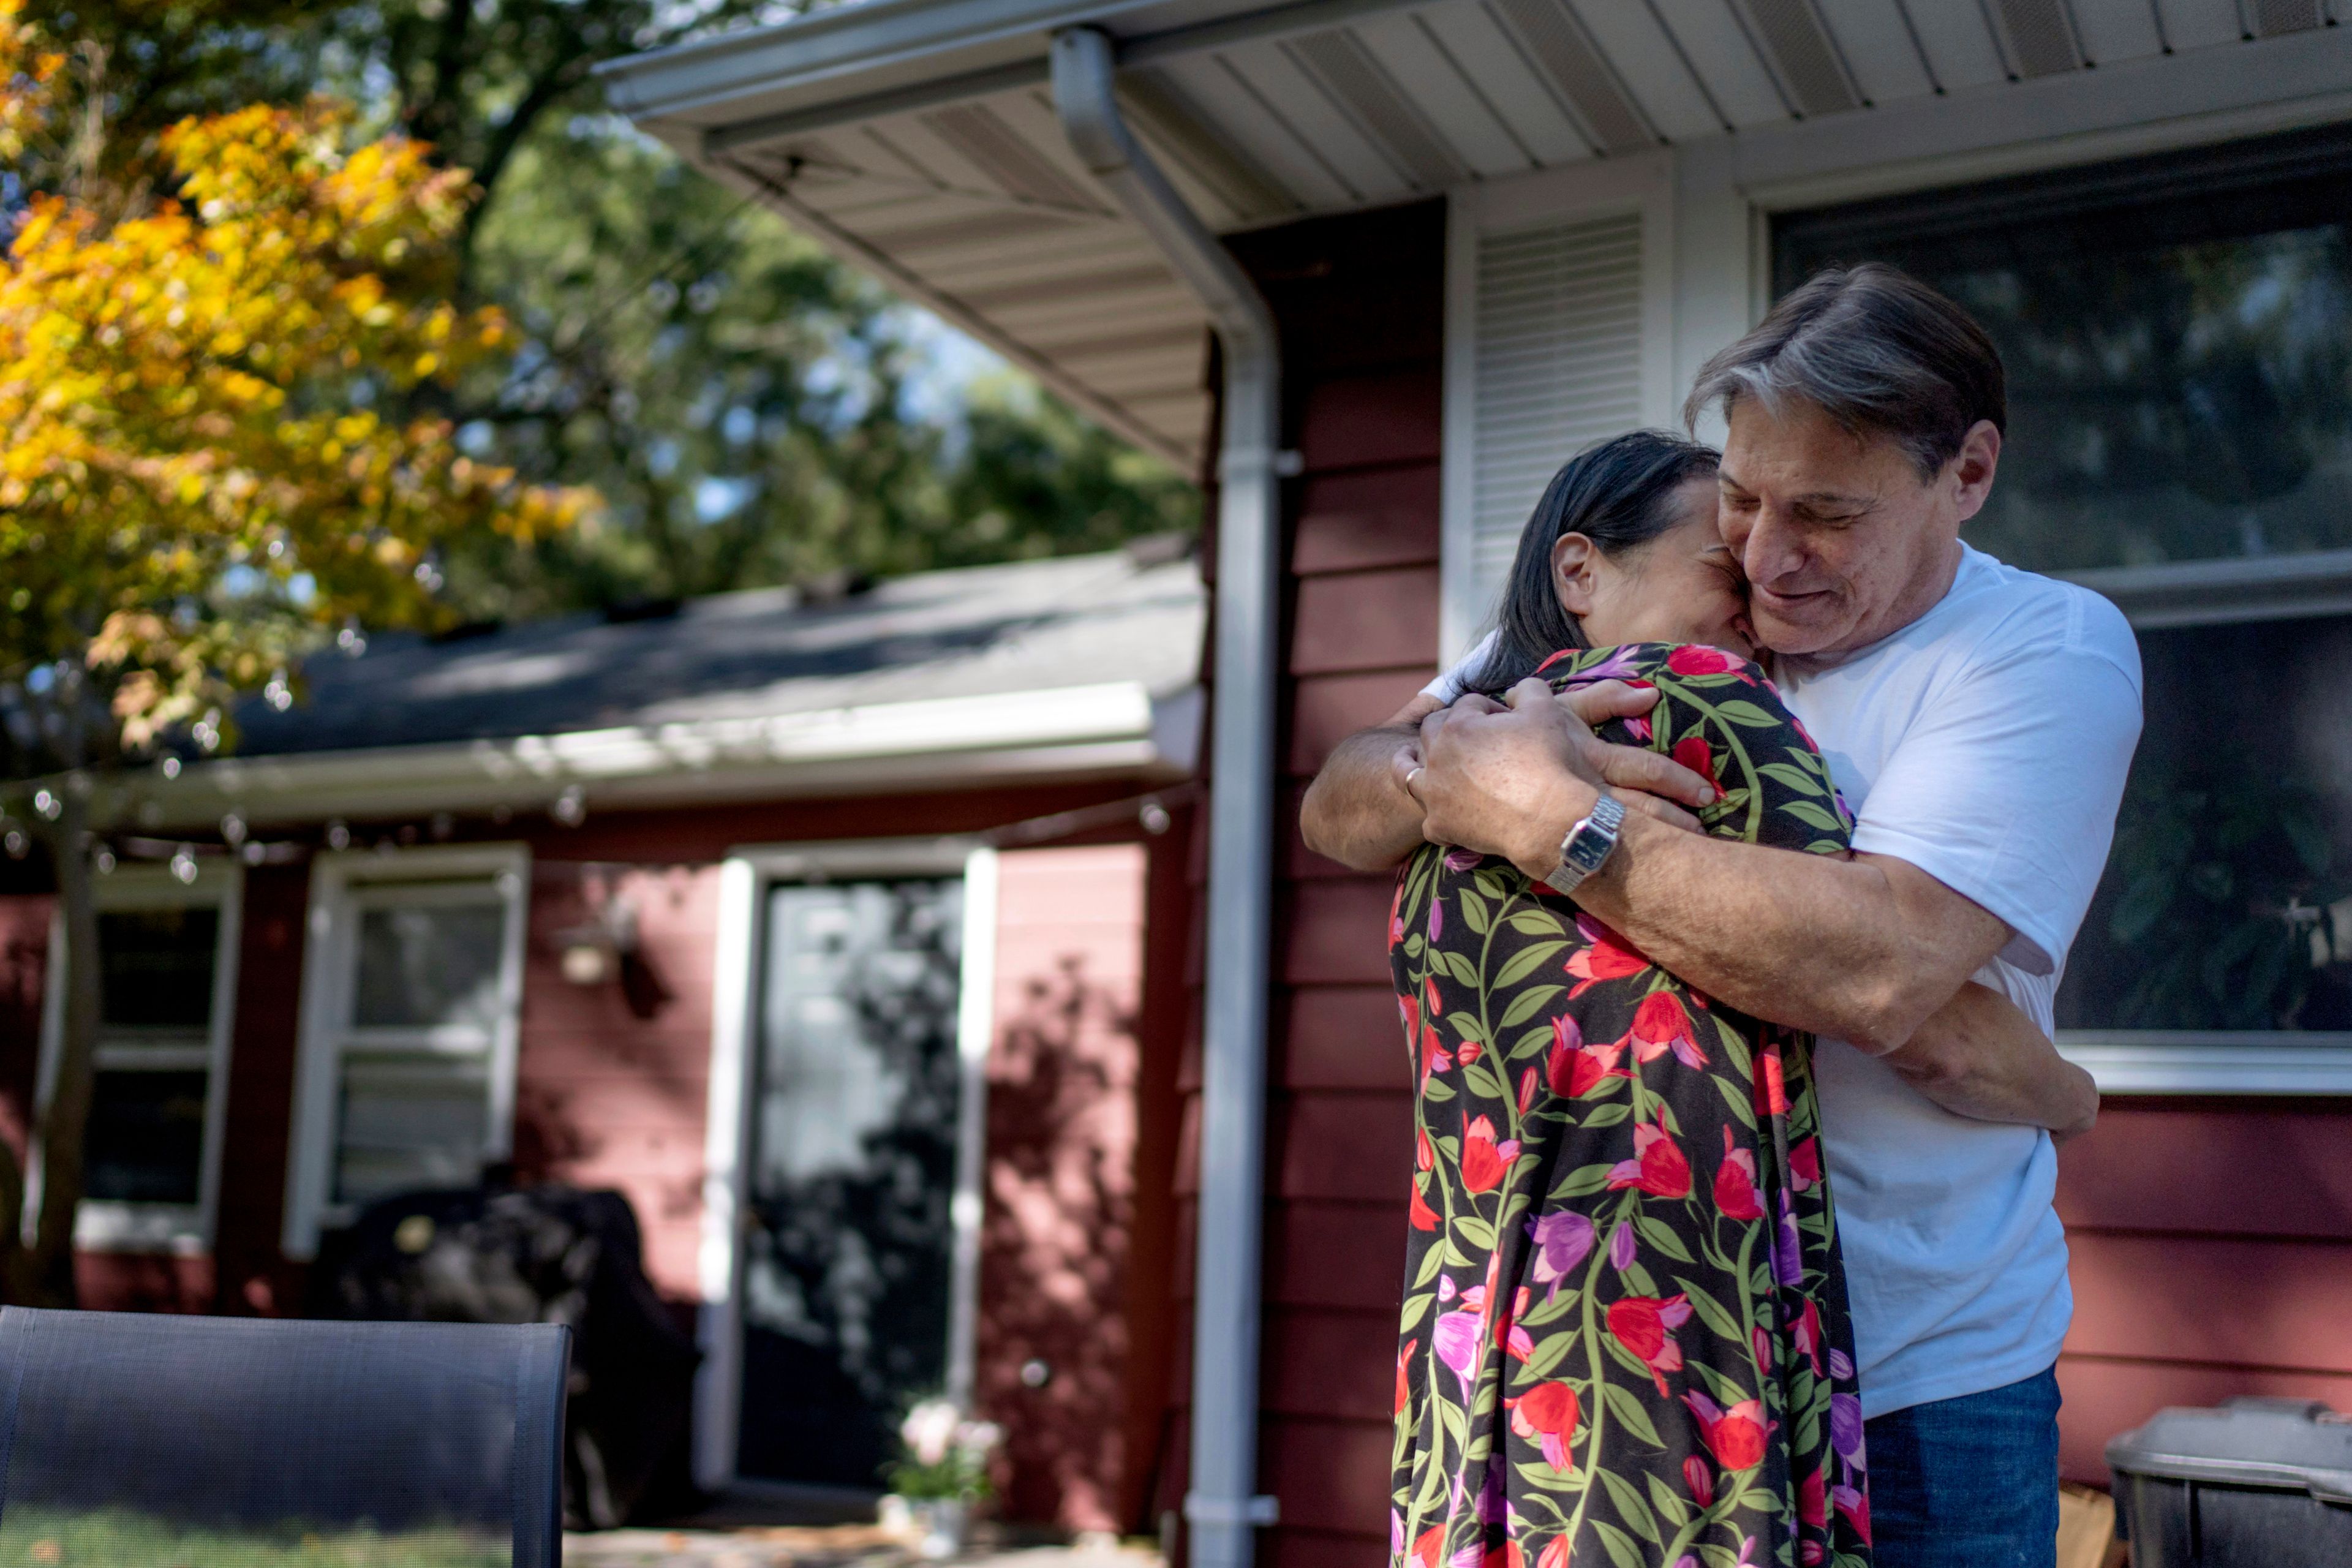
x,y
1587,844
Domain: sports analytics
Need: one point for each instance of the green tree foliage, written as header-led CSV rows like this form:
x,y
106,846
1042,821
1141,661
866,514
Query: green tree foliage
x,y
751,410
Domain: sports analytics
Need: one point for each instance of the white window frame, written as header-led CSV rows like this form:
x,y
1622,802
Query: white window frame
x,y
110,1226
745,878
1642,184
330,959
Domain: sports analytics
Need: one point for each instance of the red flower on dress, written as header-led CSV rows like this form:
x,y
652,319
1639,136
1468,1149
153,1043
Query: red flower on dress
x,y
1396,915
1514,1341
1734,1182
1660,1025
1437,1007
1423,1217
1607,956
1700,1479
1734,1436
1771,1087
1547,1416
1696,658
1691,752
1485,1163
1574,1068
1555,1554
1855,1503
1806,1333
1645,1325
1805,1164
1424,1153
1432,1055
1812,1499
1409,1009
1403,1387
1527,1090
1658,1166
1431,1544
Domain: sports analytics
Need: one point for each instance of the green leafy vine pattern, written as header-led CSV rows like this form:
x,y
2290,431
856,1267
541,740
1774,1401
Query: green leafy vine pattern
x,y
1624,1338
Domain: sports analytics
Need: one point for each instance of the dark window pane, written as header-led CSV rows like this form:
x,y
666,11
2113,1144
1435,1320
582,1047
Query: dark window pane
x,y
146,1137
2227,903
155,967
427,964
2180,360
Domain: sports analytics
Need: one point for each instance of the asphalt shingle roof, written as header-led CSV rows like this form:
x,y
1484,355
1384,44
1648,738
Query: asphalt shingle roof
x,y
987,630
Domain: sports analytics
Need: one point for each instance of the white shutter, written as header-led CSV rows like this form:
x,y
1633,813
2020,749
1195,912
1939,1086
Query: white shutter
x,y
1555,366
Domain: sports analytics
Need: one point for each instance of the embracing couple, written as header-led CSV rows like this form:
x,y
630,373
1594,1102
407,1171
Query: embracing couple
x,y
1737,870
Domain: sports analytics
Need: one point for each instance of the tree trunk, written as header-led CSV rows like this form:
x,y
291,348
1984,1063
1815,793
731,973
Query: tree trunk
x,y
44,1277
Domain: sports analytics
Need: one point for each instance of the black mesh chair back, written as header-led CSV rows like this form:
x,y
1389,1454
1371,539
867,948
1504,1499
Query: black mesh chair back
x,y
131,1439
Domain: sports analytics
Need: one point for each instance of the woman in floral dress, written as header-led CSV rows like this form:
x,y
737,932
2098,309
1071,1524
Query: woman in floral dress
x,y
1624,1335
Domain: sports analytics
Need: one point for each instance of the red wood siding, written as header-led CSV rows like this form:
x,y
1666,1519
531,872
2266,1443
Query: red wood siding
x,y
1359,303
1060,1179
611,1080
2212,1256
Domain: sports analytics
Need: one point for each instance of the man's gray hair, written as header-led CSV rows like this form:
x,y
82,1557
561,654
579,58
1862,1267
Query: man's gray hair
x,y
1875,350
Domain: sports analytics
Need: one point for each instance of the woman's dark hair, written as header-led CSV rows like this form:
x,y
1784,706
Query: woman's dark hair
x,y
1620,495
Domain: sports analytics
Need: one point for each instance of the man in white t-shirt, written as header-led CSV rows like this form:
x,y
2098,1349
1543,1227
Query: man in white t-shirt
x,y
1980,721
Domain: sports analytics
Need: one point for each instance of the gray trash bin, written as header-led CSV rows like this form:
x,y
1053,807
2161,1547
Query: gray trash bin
x,y
2258,1483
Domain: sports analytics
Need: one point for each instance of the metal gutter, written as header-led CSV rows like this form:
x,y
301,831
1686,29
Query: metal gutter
x,y
917,53
1222,1507
1113,728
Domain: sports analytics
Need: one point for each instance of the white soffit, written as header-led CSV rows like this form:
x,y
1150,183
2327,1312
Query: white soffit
x,y
915,138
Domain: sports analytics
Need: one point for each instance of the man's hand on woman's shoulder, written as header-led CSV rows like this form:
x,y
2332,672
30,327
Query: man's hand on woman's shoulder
x,y
1511,778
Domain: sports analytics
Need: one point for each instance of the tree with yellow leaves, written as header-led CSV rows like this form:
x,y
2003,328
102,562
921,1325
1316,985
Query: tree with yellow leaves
x,y
210,462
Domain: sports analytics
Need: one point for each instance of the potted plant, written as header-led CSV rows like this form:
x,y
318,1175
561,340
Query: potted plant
x,y
940,1473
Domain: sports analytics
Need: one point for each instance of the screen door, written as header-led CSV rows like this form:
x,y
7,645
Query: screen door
x,y
849,1238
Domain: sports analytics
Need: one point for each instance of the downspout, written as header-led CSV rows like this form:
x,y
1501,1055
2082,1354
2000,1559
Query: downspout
x,y
1223,1506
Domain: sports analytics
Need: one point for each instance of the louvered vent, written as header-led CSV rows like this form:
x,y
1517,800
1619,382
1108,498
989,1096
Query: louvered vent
x,y
1808,61
982,135
2273,17
2041,37
1558,366
1555,40
1354,81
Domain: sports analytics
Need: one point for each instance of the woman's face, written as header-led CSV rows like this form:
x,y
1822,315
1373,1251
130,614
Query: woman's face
x,y
1684,586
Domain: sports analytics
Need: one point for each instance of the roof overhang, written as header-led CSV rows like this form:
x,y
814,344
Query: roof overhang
x,y
1114,729
917,139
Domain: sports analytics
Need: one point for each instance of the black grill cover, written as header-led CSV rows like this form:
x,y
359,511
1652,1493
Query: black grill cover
x,y
546,1254
133,1438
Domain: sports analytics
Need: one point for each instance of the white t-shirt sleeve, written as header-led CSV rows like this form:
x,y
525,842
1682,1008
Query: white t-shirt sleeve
x,y
2006,789
1456,681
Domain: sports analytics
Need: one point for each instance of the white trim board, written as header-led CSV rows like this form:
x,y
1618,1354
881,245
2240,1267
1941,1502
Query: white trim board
x,y
329,959
1111,728
745,877
100,1226
2211,1062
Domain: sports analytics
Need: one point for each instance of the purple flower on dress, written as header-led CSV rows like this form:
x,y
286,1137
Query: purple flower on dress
x,y
1788,1263
1436,916
1445,1287
1462,859
1455,1338
1621,1247
1396,1533
1492,1505
1617,666
1840,1366
1563,1239
1845,1428
1470,1556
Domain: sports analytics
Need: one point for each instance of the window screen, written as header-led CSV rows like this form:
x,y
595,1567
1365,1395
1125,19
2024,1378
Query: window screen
x,y
144,1142
2178,335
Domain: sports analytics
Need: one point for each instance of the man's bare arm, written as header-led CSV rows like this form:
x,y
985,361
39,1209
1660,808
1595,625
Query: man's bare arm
x,y
1981,1057
1357,811
1863,949
1360,811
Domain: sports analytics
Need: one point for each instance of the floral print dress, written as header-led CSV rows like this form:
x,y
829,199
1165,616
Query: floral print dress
x,y
1624,1336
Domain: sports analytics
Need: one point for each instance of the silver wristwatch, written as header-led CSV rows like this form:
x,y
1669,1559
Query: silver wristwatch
x,y
1588,845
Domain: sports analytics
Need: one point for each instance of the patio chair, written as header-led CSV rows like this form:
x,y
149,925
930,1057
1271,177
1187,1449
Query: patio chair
x,y
130,1438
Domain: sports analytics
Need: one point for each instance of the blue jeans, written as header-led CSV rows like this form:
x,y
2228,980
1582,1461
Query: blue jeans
x,y
1969,1482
